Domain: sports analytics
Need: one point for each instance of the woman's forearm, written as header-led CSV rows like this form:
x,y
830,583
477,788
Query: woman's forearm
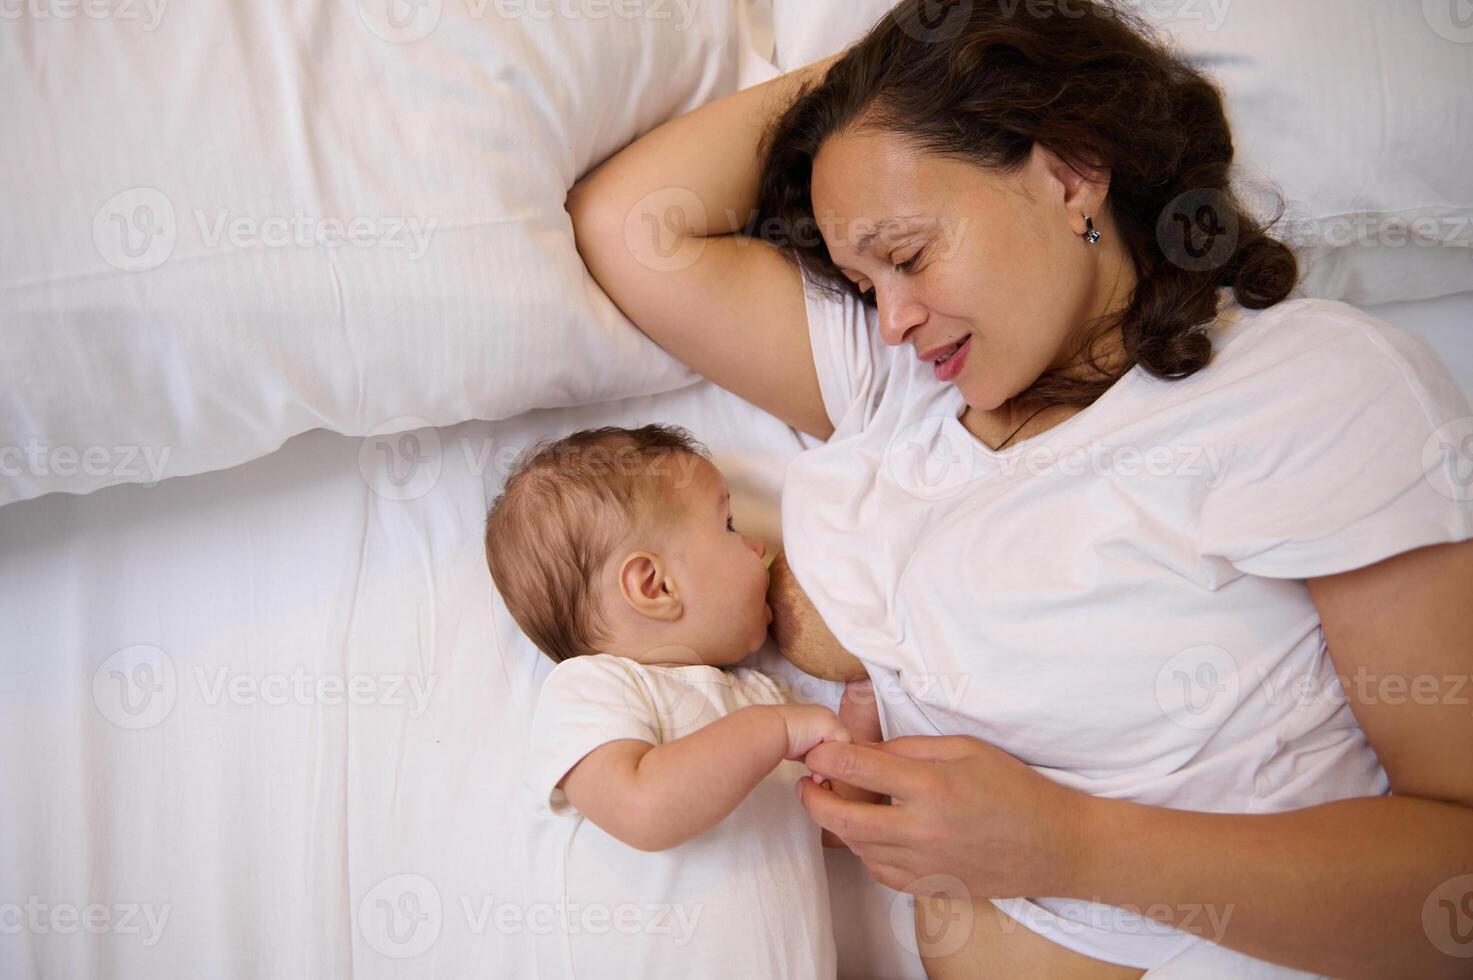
x,y
1338,888
710,152
688,786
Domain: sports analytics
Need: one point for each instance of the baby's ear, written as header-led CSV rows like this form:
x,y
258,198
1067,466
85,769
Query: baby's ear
x,y
645,583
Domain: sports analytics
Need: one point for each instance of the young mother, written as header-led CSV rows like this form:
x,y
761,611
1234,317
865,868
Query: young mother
x,y
1163,579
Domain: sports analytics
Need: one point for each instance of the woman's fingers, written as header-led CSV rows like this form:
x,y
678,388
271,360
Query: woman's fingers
x,y
890,877
854,821
868,767
932,748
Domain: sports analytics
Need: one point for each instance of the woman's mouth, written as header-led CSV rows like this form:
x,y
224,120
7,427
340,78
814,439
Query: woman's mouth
x,y
949,366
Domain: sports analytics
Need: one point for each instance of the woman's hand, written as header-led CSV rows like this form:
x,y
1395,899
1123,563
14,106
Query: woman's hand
x,y
967,820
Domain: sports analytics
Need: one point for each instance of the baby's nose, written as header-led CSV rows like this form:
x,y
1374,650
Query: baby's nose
x,y
758,547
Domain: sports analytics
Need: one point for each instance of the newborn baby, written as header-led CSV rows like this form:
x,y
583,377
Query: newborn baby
x,y
670,841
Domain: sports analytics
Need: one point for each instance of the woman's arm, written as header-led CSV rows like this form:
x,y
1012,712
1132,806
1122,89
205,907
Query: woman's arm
x,y
1346,888
655,797
1361,887
655,226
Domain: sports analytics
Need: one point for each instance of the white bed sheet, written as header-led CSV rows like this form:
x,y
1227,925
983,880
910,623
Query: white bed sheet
x,y
272,832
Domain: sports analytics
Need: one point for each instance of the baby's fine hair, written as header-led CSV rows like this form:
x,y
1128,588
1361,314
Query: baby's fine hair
x,y
566,506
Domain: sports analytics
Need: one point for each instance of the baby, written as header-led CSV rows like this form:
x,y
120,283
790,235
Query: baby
x,y
671,841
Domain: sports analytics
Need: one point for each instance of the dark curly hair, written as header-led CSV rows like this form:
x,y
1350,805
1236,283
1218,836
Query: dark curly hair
x,y
983,81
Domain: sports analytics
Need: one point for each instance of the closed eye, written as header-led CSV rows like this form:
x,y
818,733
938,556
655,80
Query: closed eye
x,y
729,524
909,264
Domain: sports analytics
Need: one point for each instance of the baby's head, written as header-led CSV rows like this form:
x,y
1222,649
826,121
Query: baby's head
x,y
620,541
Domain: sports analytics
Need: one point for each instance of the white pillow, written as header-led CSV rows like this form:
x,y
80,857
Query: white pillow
x,y
227,223
1358,110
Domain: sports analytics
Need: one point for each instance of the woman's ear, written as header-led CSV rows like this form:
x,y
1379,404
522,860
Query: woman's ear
x,y
1081,188
648,588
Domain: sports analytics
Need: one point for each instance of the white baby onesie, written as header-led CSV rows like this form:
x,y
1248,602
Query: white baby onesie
x,y
747,898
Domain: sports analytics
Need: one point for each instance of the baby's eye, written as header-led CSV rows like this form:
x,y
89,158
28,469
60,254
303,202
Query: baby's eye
x,y
729,522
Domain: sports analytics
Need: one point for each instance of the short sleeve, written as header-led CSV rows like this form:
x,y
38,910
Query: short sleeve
x,y
584,703
852,360
1356,447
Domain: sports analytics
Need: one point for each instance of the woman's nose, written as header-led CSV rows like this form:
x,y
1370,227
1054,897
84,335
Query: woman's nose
x,y
899,313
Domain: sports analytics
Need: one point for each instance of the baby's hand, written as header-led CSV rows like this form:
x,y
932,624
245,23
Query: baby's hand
x,y
808,725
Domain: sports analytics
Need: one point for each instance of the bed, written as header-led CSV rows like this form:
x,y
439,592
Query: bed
x,y
264,715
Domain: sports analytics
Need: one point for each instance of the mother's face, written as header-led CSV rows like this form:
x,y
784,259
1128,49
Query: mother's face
x,y
952,251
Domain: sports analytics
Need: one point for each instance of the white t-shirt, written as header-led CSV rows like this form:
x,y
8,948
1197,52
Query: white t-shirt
x,y
1119,602
747,898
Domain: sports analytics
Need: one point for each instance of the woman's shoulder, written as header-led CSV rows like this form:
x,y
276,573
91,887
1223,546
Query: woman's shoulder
x,y
1341,435
1327,351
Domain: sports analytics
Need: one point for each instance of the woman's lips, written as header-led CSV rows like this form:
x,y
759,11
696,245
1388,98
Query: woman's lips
x,y
948,369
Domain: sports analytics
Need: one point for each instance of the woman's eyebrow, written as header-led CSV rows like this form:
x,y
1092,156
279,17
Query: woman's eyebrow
x,y
863,242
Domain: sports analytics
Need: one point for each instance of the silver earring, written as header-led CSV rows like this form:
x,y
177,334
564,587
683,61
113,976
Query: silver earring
x,y
1091,236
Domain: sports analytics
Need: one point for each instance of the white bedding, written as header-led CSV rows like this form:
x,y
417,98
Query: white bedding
x,y
243,220
268,833
264,819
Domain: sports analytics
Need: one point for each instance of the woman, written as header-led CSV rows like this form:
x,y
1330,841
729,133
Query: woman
x,y
1144,559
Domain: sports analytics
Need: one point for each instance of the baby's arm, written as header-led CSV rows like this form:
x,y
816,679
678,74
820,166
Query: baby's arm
x,y
655,797
861,715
